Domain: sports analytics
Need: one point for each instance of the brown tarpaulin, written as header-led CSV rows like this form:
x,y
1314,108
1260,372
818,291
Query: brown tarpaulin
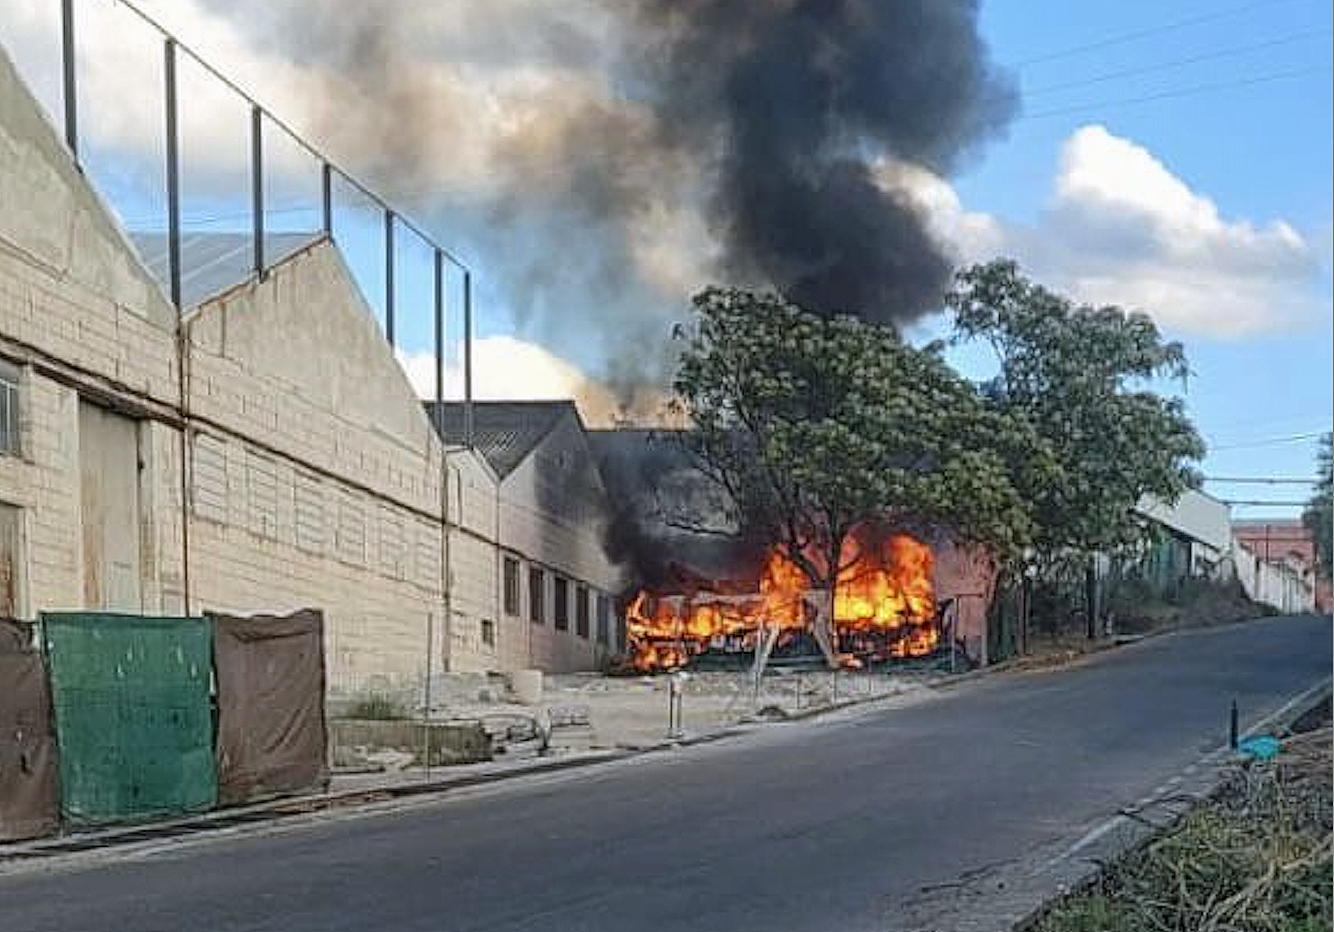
x,y
271,729
29,789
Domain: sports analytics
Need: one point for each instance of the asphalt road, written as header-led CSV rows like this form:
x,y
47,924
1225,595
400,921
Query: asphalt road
x,y
815,826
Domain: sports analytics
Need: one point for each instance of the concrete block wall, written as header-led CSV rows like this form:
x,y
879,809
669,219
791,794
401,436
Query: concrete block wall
x,y
80,317
43,483
295,362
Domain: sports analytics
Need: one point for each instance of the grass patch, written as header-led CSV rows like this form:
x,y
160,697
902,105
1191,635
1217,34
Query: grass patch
x,y
377,707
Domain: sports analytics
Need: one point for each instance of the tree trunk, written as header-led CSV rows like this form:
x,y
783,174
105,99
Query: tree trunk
x,y
823,628
1091,597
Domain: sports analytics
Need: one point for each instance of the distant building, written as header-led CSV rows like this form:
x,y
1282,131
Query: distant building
x,y
1284,541
558,583
1194,538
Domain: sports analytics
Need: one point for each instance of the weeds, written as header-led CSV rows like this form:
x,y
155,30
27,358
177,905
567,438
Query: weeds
x,y
377,707
1256,857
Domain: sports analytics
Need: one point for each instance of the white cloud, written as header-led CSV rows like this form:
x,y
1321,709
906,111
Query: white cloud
x,y
506,368
972,236
1121,228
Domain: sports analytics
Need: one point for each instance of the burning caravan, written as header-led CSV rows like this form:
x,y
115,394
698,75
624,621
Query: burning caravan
x,y
900,594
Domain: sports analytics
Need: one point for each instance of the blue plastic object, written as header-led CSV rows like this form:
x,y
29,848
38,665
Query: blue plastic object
x,y
1260,747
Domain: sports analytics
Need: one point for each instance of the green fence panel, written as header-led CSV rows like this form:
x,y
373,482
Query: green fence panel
x,y
133,716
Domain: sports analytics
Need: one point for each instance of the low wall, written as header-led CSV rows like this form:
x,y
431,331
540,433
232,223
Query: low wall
x,y
448,742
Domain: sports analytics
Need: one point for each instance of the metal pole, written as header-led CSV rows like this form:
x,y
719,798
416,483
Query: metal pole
x,y
468,424
257,184
1234,726
671,706
173,160
389,276
426,707
439,333
173,174
326,198
70,87
680,708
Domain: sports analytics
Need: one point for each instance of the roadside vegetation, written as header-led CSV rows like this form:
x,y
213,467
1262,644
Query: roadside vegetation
x,y
376,706
1319,514
1253,858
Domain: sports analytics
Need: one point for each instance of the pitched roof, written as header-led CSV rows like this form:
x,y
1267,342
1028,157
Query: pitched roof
x,y
212,263
504,432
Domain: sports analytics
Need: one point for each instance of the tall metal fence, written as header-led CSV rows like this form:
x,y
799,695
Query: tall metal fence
x,y
230,171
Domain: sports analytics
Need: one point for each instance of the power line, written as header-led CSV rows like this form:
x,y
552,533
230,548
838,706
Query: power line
x,y
1136,34
1293,438
1179,62
1182,92
1269,420
1260,480
1239,501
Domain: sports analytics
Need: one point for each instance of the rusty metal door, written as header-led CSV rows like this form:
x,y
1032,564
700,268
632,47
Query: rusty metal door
x,y
9,561
109,466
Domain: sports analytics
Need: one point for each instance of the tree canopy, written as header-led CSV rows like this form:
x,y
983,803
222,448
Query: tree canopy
x,y
813,424
1080,374
1319,514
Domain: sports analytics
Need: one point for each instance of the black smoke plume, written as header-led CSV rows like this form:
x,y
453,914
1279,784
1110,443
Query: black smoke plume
x,y
797,99
769,122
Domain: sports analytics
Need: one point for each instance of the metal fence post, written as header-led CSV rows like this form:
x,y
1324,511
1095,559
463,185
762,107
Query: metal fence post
x,y
468,424
426,699
257,183
173,173
439,333
70,85
326,199
389,276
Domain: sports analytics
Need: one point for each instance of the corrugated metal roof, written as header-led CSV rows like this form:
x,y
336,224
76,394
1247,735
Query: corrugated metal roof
x,y
211,263
504,432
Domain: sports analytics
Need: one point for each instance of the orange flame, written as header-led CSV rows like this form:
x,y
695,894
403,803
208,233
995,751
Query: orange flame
x,y
884,606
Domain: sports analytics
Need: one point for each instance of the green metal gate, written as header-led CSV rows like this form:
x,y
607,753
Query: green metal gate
x,y
133,715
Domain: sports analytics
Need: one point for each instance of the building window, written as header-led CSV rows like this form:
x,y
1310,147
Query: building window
x,y
604,619
261,475
562,604
581,611
511,589
488,632
537,593
9,409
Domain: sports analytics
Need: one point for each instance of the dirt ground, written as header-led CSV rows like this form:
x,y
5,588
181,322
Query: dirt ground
x,y
581,712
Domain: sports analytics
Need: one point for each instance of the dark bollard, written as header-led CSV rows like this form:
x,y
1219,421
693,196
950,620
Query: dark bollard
x,y
1233,730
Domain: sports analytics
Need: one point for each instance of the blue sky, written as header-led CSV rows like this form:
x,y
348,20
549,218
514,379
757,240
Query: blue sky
x,y
1208,204
1261,151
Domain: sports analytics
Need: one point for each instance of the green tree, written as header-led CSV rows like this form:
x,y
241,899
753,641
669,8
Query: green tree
x,y
1082,375
1319,514
812,425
